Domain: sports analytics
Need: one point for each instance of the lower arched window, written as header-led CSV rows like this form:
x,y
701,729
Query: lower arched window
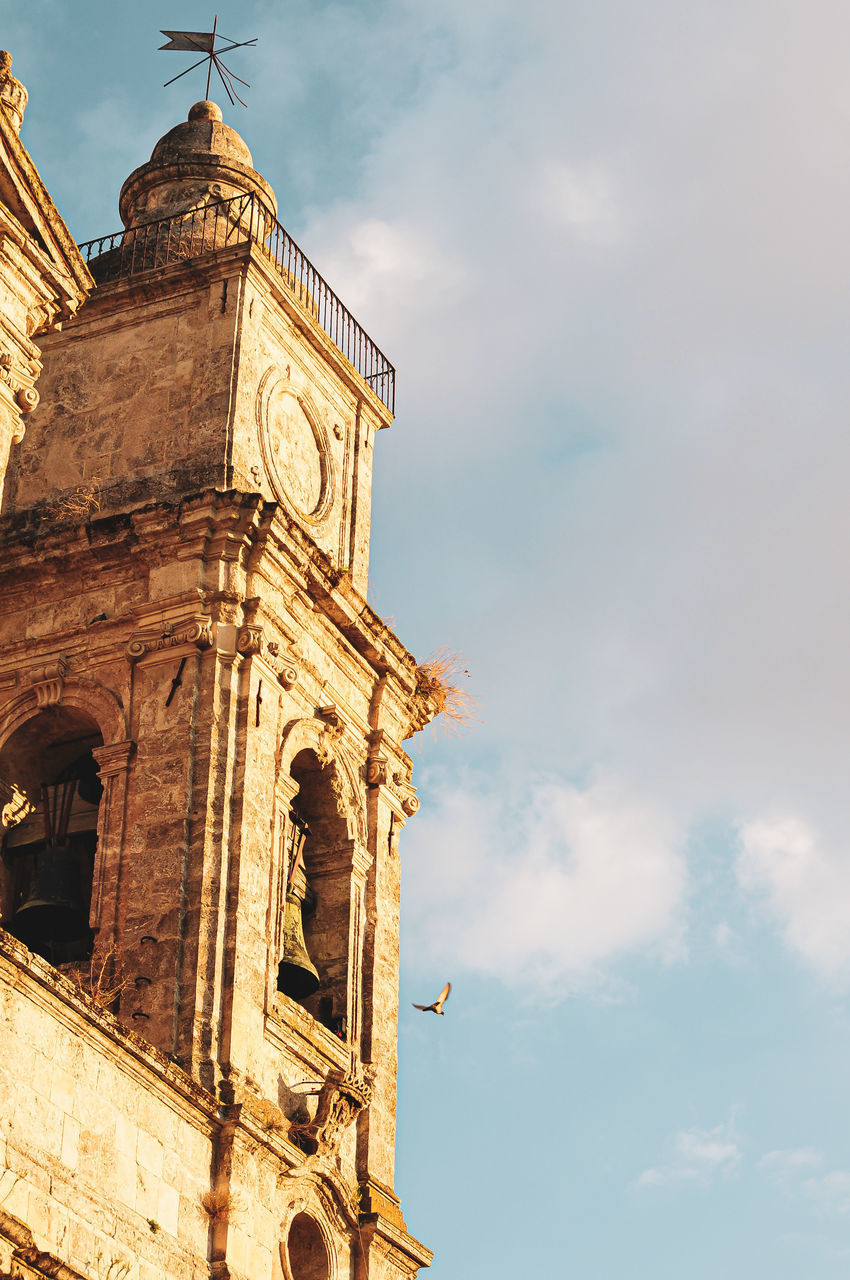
x,y
306,1250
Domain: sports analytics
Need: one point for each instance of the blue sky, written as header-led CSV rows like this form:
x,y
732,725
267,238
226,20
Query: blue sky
x,y
606,248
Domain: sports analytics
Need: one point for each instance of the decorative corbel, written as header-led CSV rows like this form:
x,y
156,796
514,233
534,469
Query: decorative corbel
x,y
24,394
249,640
329,712
409,801
48,681
343,1096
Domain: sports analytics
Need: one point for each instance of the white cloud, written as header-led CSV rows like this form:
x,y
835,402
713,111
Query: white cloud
x,y
696,1156
378,265
787,1167
806,883
546,885
792,1170
830,1193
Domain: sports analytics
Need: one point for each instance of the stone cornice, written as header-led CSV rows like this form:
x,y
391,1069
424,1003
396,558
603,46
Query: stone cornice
x,y
213,523
20,968
396,1242
240,541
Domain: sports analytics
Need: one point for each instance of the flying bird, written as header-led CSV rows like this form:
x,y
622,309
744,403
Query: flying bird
x,y
437,1006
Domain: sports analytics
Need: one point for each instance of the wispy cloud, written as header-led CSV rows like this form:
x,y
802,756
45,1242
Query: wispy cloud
x,y
697,1156
830,1193
806,883
793,1171
787,1166
544,882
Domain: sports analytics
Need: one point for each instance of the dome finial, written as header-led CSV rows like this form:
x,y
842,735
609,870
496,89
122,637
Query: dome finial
x,y
201,161
205,111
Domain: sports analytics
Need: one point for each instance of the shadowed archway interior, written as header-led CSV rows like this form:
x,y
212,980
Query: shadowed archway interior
x,y
49,839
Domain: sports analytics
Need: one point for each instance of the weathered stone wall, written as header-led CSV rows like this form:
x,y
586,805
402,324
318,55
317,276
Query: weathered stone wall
x,y
114,1165
105,1148
135,396
203,373
226,653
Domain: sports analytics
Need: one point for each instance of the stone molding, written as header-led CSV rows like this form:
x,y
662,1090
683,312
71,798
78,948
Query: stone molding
x,y
86,695
192,631
251,642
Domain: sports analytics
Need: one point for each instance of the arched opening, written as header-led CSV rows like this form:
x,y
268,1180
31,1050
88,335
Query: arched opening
x,y
50,835
314,964
306,1250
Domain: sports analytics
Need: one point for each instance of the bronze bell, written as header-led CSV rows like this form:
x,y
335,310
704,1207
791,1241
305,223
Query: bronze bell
x,y
53,910
297,976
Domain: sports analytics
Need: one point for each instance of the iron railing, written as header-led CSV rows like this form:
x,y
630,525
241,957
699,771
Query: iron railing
x,y
240,220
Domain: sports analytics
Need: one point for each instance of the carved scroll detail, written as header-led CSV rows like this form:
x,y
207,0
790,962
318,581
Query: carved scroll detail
x,y
195,631
252,640
49,682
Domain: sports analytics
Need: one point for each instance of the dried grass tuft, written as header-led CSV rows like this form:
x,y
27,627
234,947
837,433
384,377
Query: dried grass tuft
x,y
217,1205
80,503
104,980
271,1117
438,682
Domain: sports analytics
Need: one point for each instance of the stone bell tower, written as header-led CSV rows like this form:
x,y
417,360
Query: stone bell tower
x,y
202,720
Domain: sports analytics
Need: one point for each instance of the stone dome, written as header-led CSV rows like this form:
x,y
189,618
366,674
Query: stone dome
x,y
201,161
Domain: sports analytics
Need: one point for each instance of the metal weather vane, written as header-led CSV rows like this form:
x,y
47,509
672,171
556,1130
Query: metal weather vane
x,y
205,42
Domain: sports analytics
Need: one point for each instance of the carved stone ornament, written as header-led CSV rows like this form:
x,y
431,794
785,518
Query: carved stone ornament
x,y
25,395
329,712
13,95
378,775
195,631
48,681
251,640
343,1096
377,771
410,802
295,447
26,398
